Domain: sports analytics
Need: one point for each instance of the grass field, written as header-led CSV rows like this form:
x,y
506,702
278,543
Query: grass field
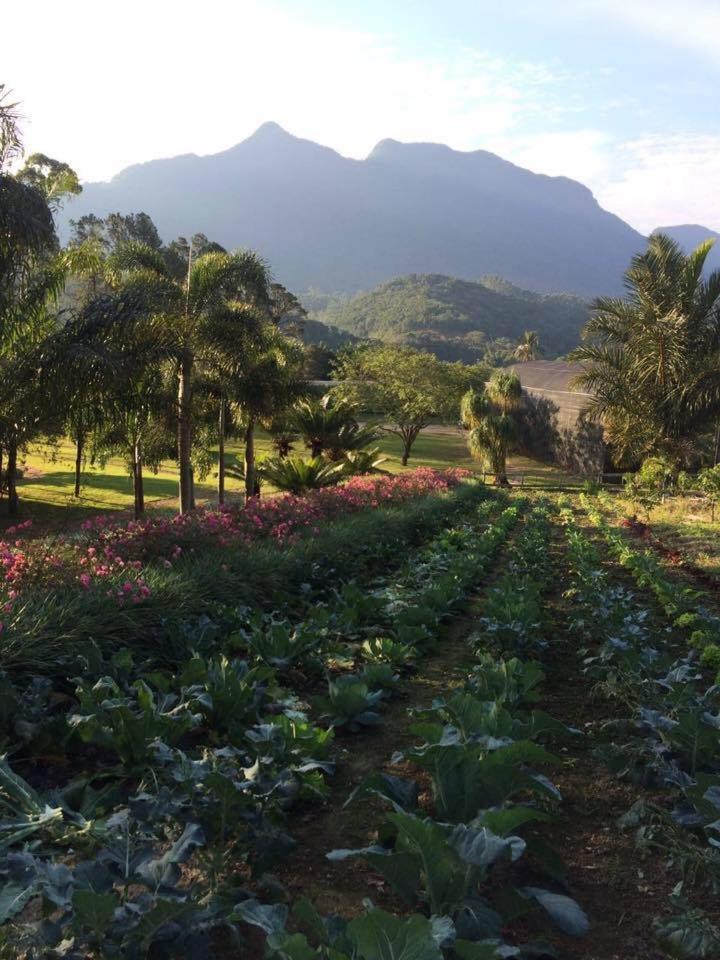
x,y
684,524
46,489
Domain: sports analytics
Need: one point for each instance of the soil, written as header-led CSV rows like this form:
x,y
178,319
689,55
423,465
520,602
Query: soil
x,y
622,891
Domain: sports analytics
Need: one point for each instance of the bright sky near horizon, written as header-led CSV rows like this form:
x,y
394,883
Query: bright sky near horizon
x,y
619,94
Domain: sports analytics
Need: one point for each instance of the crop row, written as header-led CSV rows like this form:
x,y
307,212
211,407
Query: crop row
x,y
681,604
191,773
454,856
669,740
47,624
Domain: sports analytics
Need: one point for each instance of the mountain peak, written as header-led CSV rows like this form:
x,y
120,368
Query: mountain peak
x,y
270,129
337,223
390,148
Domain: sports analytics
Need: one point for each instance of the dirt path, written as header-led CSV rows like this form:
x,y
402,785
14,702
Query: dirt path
x,y
340,887
621,891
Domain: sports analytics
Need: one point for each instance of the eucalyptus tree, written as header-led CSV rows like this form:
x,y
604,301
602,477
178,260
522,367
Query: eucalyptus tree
x,y
213,313
487,416
652,359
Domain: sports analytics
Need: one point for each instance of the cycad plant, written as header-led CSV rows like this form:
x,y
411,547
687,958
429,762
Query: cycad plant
x,y
329,426
298,476
652,359
487,416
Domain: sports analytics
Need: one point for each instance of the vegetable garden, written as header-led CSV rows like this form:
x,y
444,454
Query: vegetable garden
x,y
410,718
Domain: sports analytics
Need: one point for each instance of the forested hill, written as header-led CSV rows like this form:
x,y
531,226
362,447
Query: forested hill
x,y
327,221
458,319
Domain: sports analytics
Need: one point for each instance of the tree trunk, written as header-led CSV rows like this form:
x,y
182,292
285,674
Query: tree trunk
x,y
408,438
250,485
138,488
716,458
185,436
221,454
192,487
12,478
79,446
2,485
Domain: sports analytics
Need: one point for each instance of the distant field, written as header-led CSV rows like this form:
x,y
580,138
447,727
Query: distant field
x,y
684,524
46,489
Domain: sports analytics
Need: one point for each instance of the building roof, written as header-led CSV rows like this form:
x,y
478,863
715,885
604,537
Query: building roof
x,y
548,375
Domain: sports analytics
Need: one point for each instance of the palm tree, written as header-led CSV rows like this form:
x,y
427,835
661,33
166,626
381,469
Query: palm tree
x,y
216,312
487,415
652,360
528,347
262,385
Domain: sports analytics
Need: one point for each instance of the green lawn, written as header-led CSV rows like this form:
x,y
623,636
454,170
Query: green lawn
x,y
46,489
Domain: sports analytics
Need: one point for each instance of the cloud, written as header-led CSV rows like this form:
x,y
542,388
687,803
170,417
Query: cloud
x,y
582,154
190,83
692,24
665,181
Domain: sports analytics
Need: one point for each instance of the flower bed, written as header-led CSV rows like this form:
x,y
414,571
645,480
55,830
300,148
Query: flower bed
x,y
111,554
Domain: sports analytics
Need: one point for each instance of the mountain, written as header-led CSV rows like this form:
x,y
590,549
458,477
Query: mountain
x,y
325,221
458,319
689,235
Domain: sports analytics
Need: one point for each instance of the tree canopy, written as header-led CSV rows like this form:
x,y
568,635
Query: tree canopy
x,y
652,359
406,387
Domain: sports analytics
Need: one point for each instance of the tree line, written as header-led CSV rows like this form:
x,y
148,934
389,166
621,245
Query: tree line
x,y
151,351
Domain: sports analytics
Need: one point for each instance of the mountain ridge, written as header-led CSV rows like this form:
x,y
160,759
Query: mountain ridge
x,y
331,222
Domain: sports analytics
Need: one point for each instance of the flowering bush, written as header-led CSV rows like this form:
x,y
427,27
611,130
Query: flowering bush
x,y
113,553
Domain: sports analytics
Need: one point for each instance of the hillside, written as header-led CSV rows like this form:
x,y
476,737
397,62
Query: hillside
x,y
325,221
689,235
458,319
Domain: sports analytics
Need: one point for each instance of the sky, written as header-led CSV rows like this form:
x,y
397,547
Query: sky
x,y
622,95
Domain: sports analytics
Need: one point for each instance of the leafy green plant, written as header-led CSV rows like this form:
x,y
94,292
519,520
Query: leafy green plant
x,y
351,704
129,724
390,651
294,475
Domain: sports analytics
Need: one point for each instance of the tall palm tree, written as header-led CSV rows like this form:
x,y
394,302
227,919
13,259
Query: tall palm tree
x,y
528,347
260,386
652,359
487,415
215,312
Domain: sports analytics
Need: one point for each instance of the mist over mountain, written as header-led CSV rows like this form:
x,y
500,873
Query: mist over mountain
x,y
343,225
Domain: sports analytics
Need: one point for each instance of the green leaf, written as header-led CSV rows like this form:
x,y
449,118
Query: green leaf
x,y
566,913
290,946
13,897
482,951
269,917
310,920
164,912
507,819
380,936
444,873
482,847
94,910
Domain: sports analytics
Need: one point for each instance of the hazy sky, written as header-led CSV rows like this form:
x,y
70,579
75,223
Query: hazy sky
x,y
623,95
